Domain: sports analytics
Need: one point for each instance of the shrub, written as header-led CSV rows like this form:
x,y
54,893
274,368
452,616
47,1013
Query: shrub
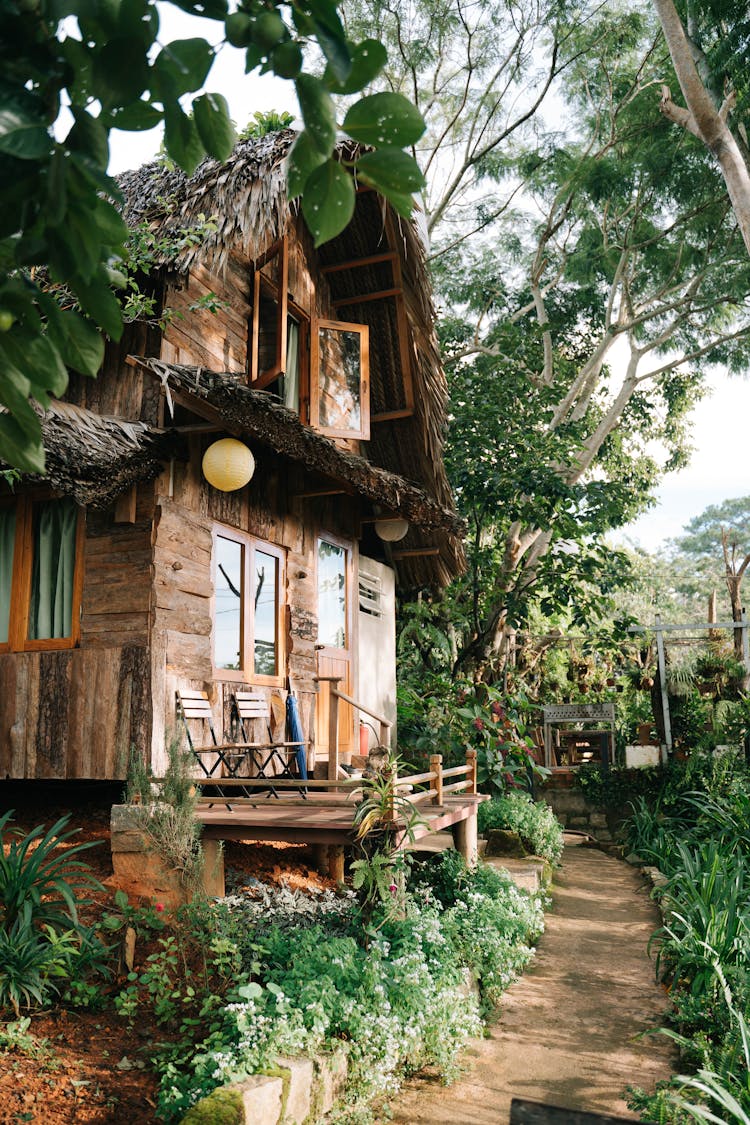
x,y
533,821
42,943
308,976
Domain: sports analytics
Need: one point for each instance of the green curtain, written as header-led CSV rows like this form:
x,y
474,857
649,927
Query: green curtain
x,y
54,546
7,543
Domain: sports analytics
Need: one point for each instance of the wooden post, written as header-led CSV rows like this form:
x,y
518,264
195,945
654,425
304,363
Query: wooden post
x,y
333,730
663,683
336,862
471,761
465,837
436,767
385,734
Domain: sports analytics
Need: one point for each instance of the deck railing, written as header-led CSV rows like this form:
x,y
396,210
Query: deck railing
x,y
419,788
334,696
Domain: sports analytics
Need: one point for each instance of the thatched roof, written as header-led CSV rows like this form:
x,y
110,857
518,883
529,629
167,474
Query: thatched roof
x,y
246,198
260,416
95,459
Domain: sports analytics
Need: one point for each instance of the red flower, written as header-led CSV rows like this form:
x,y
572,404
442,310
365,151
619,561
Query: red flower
x,y
159,907
479,724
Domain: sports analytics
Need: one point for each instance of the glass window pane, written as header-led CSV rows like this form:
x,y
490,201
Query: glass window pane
x,y
228,593
7,543
339,379
265,593
331,595
53,565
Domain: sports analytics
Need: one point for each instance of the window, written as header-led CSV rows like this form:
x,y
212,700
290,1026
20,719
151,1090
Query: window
x,y
41,549
249,584
370,595
323,371
332,599
269,328
339,379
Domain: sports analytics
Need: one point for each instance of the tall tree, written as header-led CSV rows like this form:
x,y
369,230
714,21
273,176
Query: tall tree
x,y
710,52
716,545
603,297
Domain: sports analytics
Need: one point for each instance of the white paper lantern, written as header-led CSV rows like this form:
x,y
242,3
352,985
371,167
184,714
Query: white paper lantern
x,y
391,531
228,465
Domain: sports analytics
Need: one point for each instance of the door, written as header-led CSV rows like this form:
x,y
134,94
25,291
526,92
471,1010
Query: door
x,y
334,653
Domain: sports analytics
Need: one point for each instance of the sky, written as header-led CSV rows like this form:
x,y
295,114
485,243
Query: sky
x,y
720,466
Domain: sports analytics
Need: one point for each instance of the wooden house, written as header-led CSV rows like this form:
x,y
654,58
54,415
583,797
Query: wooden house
x,y
125,576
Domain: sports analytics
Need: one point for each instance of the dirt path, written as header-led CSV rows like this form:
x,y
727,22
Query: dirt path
x,y
567,1030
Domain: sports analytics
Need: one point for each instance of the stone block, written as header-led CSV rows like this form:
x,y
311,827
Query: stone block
x,y
262,1098
578,822
598,820
298,1087
501,842
331,1074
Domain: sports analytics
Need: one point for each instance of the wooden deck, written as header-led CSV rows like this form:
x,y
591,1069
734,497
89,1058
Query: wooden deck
x,y
322,812
317,822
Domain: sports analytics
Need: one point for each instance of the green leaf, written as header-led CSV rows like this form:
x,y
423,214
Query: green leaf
x,y
302,161
214,125
121,71
22,134
185,64
181,138
318,112
136,117
328,201
21,449
44,367
89,136
79,343
334,46
98,300
390,170
384,119
368,59
113,230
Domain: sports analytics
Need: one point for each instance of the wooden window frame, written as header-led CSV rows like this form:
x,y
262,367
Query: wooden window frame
x,y
246,674
20,584
261,379
363,331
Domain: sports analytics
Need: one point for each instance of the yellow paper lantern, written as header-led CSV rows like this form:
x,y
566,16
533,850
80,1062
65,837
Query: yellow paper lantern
x,y
391,531
228,464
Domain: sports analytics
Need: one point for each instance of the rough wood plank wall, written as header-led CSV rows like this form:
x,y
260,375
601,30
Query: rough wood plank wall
x,y
73,714
117,577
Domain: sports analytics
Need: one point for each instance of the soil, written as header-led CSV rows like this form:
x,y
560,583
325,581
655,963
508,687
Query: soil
x,y
89,1067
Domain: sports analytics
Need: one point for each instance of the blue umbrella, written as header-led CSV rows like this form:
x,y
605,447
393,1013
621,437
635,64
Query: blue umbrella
x,y
295,733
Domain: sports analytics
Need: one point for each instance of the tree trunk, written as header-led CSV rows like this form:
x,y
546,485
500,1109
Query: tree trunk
x,y
702,118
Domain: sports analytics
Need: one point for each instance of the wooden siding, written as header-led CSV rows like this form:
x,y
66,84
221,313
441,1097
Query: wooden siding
x,y
183,583
72,714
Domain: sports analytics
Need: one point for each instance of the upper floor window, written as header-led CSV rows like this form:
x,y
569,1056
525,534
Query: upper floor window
x,y
249,584
40,573
318,368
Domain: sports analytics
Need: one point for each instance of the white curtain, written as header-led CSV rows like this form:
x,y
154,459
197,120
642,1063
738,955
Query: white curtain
x,y
7,543
54,545
291,377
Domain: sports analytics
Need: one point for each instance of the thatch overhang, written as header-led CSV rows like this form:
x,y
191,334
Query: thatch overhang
x,y
95,459
246,198
260,416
